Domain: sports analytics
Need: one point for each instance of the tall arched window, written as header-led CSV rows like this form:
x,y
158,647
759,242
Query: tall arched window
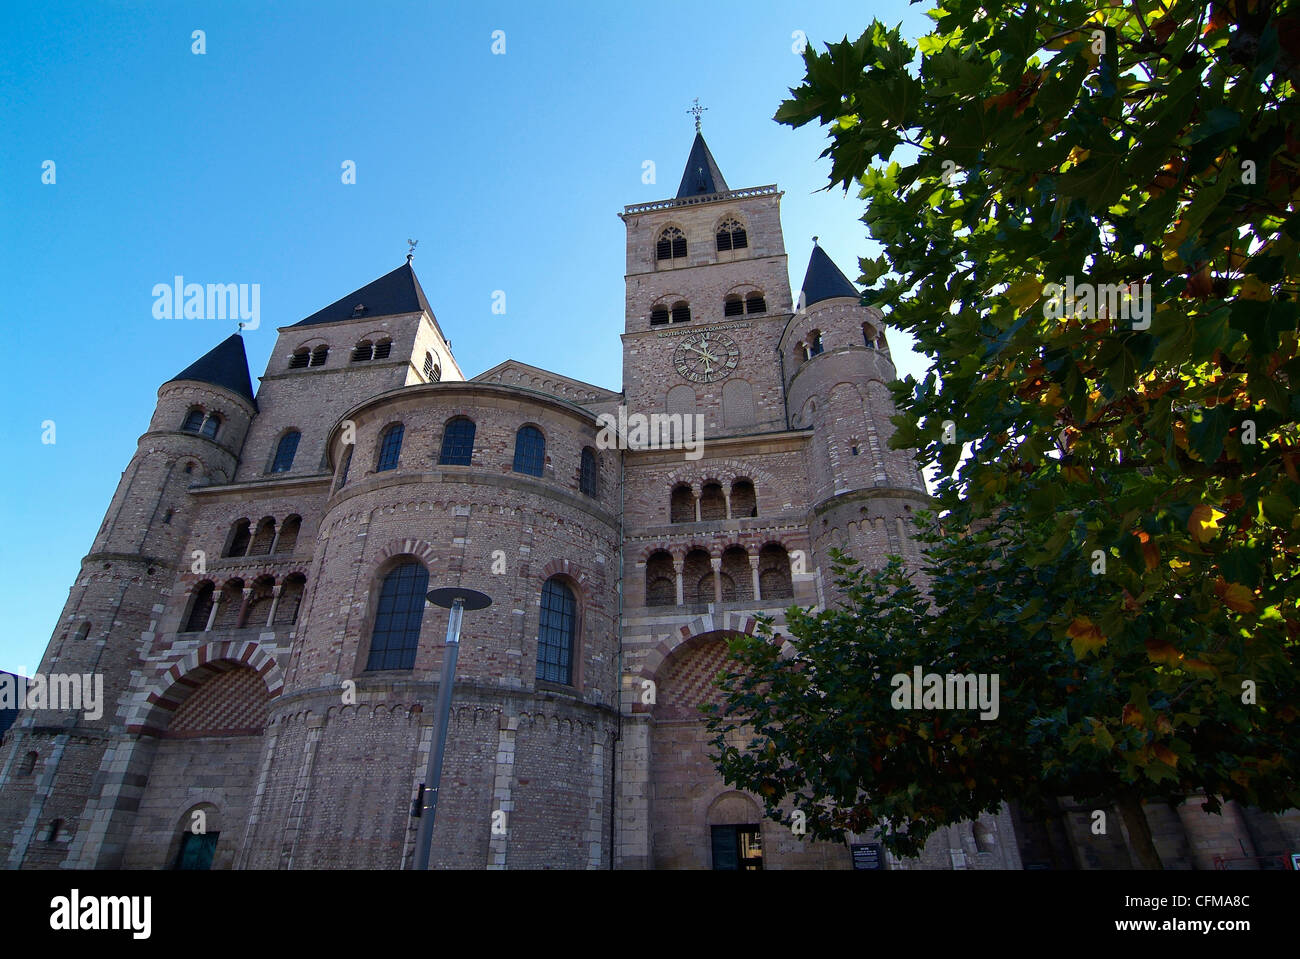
x,y
457,442
211,425
681,507
390,448
239,539
530,451
287,539
347,465
660,580
284,452
193,421
589,478
398,616
264,538
774,578
286,612
731,235
671,244
814,343
556,632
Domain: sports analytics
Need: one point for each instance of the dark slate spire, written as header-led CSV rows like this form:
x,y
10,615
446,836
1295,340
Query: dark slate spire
x,y
392,293
823,281
702,175
225,365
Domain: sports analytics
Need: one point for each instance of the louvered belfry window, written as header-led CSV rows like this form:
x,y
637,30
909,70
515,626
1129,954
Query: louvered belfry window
x,y
732,236
671,244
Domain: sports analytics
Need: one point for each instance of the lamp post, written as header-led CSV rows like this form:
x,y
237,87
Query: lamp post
x,y
457,599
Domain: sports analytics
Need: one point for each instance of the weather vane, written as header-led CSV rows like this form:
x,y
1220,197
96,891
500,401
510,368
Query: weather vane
x,y
410,253
697,110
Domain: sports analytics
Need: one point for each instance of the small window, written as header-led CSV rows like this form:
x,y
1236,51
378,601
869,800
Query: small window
x,y
211,425
681,312
432,371
814,343
671,244
167,517
362,351
319,356
457,443
83,631
56,827
589,479
390,448
382,349
530,451
29,763
867,335
301,357
197,850
556,631
285,451
347,464
193,421
659,316
733,306
755,303
731,236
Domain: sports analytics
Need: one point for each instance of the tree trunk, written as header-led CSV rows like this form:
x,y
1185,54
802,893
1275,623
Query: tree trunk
x,y
1139,833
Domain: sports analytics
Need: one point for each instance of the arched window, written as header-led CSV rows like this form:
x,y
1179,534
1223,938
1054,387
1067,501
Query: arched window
x,y
83,631
984,839
287,540
731,235
382,349
814,343
774,572
743,500
240,539
755,303
398,617
432,371
738,578
264,538
230,603
457,442
697,577
589,475
286,611
681,508
681,312
733,305
530,451
29,763
390,448
193,421
557,629
319,355
659,315
868,334
301,357
284,452
713,504
347,464
211,425
56,826
200,609
671,244
660,580
259,604
362,351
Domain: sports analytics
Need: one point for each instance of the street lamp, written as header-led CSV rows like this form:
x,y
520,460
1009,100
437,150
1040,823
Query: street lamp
x,y
457,599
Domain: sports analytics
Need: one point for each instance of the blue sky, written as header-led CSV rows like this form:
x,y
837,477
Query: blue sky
x,y
226,167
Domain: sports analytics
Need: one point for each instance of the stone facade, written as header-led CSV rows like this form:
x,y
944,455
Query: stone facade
x,y
233,596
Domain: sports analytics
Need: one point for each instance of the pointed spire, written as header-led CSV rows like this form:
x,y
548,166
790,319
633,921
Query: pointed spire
x,y
225,365
824,281
702,175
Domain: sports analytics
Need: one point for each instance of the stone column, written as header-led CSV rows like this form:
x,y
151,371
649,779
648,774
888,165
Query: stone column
x,y
695,491
753,568
716,563
243,607
727,495
275,603
677,571
212,614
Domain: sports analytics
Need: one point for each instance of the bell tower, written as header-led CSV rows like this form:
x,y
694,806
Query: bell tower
x,y
707,296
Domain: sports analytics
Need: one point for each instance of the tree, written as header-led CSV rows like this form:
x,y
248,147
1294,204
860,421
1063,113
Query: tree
x,y
1093,235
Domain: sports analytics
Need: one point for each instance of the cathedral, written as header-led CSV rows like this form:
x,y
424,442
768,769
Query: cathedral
x,y
255,600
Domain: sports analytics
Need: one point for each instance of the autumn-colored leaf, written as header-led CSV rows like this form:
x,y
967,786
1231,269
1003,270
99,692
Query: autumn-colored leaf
x,y
1159,651
1238,598
1132,716
1085,637
1165,754
1203,524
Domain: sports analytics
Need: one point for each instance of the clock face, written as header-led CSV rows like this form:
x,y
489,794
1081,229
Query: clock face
x,y
706,356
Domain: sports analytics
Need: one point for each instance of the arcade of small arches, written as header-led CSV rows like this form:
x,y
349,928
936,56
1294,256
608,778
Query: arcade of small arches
x,y
698,503
201,421
812,344
262,603
730,234
366,350
733,304
694,576
267,540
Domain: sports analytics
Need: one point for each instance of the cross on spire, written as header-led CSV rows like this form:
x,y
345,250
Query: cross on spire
x,y
410,253
697,110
